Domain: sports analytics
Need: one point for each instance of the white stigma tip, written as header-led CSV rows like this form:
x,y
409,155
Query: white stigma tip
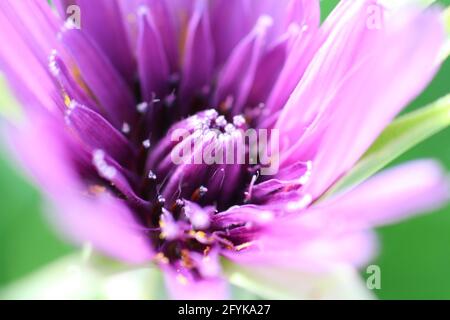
x,y
161,199
146,144
142,107
221,121
126,128
203,190
211,113
151,175
239,120
229,128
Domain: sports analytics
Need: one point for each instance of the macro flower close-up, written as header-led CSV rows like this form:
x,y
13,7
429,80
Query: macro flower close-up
x,y
222,145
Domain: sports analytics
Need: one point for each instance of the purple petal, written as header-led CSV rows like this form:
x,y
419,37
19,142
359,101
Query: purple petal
x,y
30,32
241,17
352,94
98,133
338,230
288,249
198,57
107,223
101,78
152,61
102,20
165,21
390,196
239,72
103,220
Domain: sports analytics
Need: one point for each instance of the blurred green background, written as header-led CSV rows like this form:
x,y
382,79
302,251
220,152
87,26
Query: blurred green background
x,y
414,256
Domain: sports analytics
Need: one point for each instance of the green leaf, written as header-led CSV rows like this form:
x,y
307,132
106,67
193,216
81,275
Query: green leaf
x,y
275,283
446,50
400,136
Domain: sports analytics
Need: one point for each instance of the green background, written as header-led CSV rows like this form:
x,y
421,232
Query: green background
x,y
414,256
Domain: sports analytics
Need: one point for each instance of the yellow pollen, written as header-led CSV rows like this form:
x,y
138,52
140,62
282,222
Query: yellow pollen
x,y
76,73
182,279
67,100
186,259
96,189
200,235
160,257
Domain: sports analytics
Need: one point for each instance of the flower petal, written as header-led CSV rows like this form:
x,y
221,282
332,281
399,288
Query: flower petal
x,y
341,114
98,133
183,287
239,72
152,61
241,17
389,196
104,221
102,20
341,283
30,32
198,54
101,78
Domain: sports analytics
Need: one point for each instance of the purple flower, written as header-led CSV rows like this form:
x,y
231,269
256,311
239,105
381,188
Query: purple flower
x,y
102,102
